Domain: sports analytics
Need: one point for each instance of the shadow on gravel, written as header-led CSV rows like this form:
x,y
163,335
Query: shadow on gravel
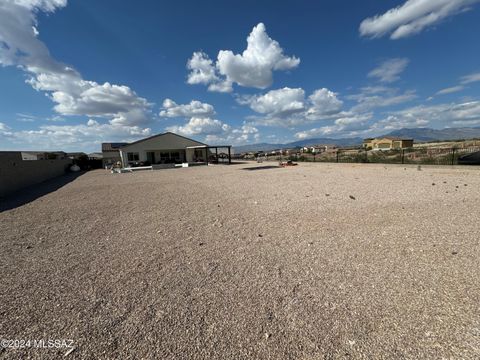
x,y
266,167
237,162
30,193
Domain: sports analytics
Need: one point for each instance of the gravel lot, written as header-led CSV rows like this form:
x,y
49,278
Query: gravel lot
x,y
317,261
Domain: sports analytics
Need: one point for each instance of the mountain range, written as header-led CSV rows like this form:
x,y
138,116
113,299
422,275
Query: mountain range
x,y
418,134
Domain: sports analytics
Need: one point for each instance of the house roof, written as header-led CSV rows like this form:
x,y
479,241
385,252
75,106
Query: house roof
x,y
112,146
42,152
159,135
95,155
395,138
388,138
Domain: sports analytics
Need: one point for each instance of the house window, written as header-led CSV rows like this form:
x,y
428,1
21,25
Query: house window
x,y
133,156
175,155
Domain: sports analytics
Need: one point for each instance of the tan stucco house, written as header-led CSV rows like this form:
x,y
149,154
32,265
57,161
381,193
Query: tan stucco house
x,y
387,143
164,150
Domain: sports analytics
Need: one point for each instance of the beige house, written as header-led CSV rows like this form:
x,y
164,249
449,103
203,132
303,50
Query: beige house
x,y
168,149
387,143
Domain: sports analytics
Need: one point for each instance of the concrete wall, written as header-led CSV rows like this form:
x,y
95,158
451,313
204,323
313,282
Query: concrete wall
x,y
16,173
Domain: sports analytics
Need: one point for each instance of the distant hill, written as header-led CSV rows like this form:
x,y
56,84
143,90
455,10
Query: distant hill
x,y
300,143
418,134
427,134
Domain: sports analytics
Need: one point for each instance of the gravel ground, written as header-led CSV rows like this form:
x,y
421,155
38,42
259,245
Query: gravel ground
x,y
317,261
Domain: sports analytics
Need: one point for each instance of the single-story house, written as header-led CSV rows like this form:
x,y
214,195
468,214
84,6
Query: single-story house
x,y
387,143
168,149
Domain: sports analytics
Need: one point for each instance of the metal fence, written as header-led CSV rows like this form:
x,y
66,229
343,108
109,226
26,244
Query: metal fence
x,y
419,155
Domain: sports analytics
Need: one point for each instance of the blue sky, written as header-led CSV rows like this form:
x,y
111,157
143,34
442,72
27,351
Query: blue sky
x,y
75,74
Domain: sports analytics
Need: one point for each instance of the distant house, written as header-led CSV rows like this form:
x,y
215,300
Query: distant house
x,y
42,155
387,143
76,155
168,149
316,149
95,156
111,153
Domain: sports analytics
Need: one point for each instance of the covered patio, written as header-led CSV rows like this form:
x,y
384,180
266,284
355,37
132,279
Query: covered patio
x,y
219,154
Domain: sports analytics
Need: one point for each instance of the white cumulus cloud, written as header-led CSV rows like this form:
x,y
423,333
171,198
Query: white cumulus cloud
x,y
194,109
71,137
323,102
279,102
200,126
253,68
200,122
288,107
20,46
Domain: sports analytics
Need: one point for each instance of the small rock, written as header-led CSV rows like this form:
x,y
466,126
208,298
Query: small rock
x,y
267,336
29,246
260,235
352,197
201,244
327,194
433,184
419,168
454,252
465,185
456,187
